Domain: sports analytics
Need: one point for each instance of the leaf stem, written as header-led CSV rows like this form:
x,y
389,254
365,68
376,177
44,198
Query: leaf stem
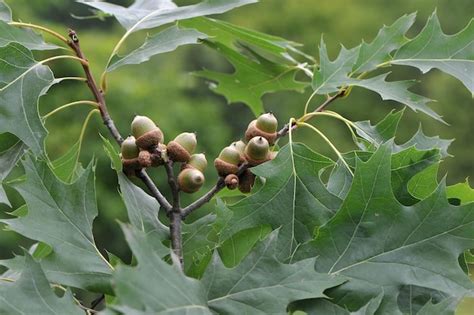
x,y
62,107
322,135
41,28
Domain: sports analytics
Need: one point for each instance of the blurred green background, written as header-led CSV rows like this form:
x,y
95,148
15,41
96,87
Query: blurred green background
x,y
164,89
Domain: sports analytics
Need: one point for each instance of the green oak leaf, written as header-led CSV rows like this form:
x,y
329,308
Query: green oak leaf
x,y
22,82
233,36
251,79
431,48
379,133
150,14
261,284
32,294
153,286
113,154
388,39
293,198
413,298
8,160
340,180
424,142
445,307
424,183
142,210
165,41
66,167
324,306
380,244
333,74
61,216
27,38
396,91
461,191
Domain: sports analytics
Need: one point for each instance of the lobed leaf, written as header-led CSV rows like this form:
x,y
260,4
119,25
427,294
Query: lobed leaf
x,y
32,294
8,160
61,216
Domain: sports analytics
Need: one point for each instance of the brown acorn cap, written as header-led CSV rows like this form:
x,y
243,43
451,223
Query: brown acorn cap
x,y
150,139
225,168
231,181
190,180
247,179
253,131
177,153
144,158
130,166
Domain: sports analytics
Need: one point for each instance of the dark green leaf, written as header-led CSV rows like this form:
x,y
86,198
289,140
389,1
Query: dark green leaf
x,y
261,284
388,39
293,198
32,294
23,81
380,244
423,142
383,131
142,212
453,54
333,74
8,160
61,216
251,79
165,41
153,286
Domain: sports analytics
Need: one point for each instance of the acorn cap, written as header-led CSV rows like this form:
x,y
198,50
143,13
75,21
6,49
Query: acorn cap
x,y
267,123
150,139
142,125
129,148
257,150
190,180
253,131
225,168
231,181
177,153
198,161
187,140
130,166
246,181
144,158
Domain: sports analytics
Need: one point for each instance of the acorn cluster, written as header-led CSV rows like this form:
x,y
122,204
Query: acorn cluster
x,y
260,136
145,148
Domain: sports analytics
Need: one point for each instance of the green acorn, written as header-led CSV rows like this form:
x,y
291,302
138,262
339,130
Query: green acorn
x,y
129,154
264,126
197,161
228,161
267,122
181,148
190,180
240,146
256,151
148,135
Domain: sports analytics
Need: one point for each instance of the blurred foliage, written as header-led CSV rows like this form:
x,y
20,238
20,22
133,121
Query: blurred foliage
x,y
164,90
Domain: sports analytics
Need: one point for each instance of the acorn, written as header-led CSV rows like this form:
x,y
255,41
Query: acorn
x,y
129,154
197,161
148,135
181,148
190,180
265,125
246,181
231,181
228,161
240,146
256,151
